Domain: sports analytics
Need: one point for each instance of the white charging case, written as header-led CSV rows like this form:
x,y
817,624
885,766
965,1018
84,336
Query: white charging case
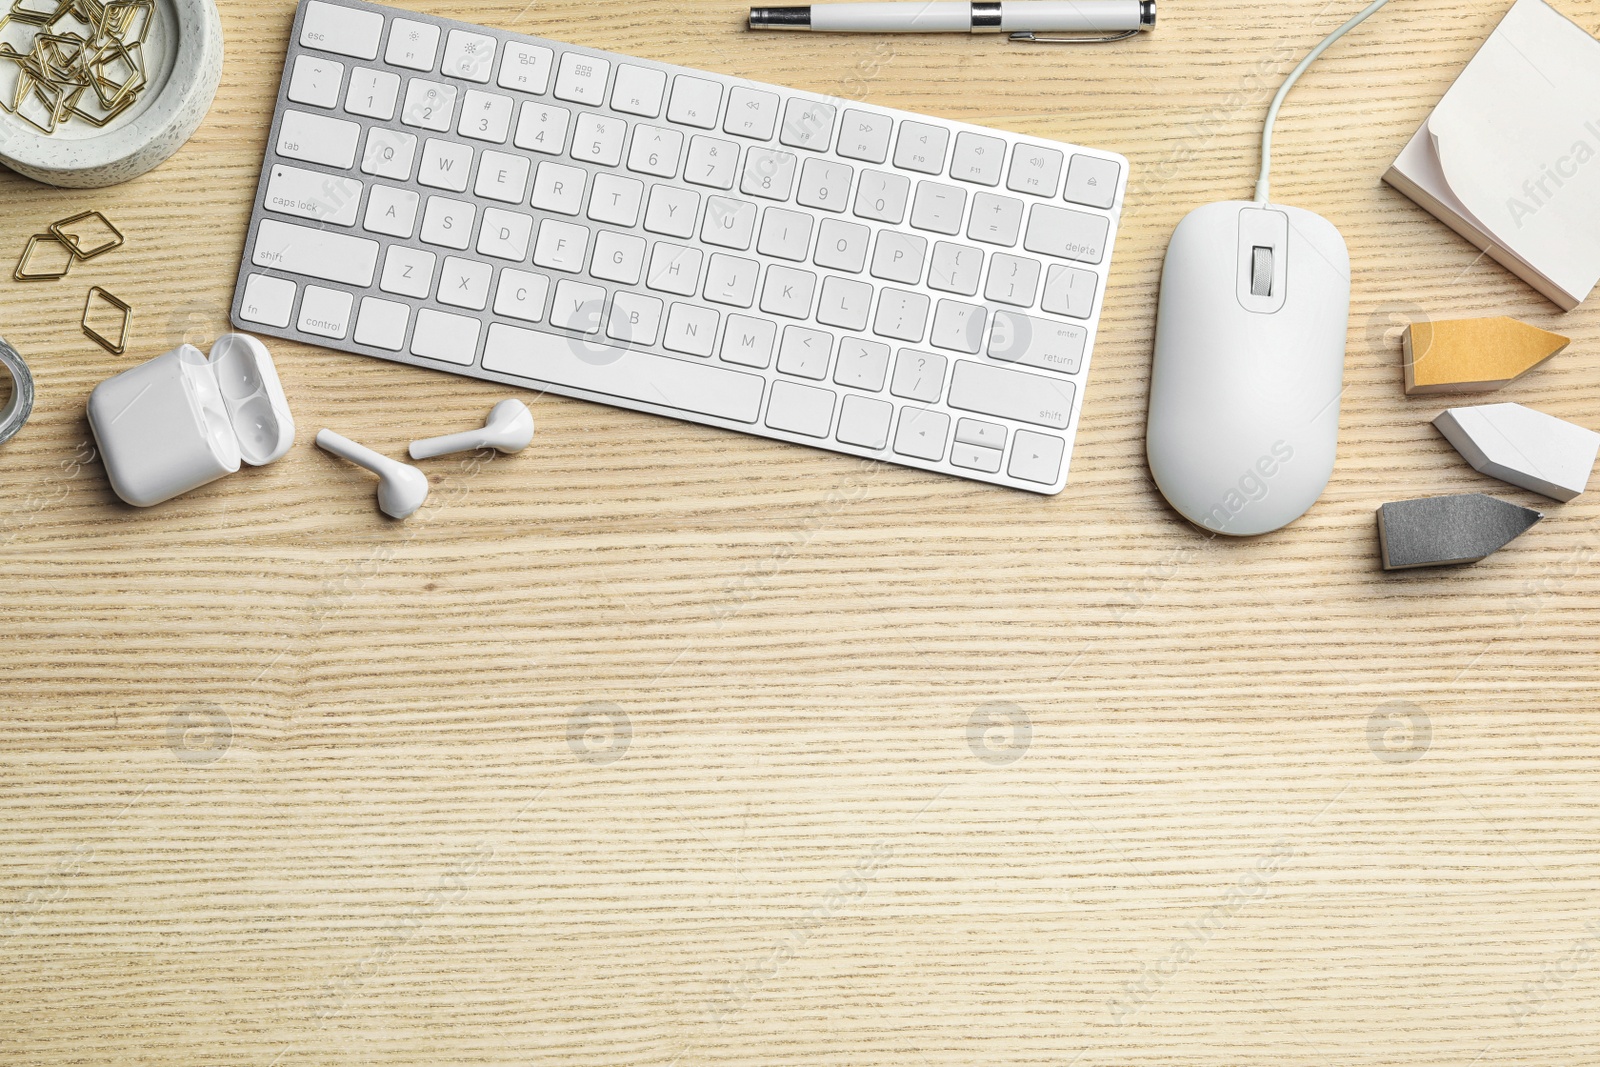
x,y
182,420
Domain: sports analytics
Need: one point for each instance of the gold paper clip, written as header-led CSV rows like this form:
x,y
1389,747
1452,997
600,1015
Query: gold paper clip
x,y
121,344
24,273
59,231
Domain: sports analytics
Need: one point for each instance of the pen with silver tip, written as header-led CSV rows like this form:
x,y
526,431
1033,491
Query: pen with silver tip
x,y
1018,17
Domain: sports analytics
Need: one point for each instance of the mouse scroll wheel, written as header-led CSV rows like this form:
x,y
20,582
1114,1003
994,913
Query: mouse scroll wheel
x,y
1261,270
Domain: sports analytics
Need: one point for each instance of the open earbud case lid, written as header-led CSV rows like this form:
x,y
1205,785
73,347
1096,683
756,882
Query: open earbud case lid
x,y
253,396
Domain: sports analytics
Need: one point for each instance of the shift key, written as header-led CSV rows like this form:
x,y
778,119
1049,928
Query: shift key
x,y
334,257
1011,394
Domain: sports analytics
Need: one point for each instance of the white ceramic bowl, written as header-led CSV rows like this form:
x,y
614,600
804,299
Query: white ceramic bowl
x,y
183,63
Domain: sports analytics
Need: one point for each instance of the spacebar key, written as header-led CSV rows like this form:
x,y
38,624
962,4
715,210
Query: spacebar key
x,y
583,363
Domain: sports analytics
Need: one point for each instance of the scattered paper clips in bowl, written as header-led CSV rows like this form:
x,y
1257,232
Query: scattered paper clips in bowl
x,y
76,46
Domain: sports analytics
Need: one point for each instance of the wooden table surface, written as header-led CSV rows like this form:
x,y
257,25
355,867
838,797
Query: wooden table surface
x,y
662,745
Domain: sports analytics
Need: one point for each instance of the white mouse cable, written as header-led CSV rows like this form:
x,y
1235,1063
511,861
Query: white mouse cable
x,y
1288,83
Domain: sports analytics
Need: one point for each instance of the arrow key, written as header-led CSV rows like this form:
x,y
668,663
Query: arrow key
x,y
1036,457
921,433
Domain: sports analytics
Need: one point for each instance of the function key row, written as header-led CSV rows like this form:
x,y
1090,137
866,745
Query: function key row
x,y
752,113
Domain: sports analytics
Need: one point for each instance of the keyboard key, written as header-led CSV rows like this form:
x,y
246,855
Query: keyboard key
x,y
505,234
751,113
807,124
768,174
464,283
318,139
977,158
412,45
382,323
978,432
635,319
502,176
898,257
316,81
618,257
671,211
558,188
825,185
921,433
389,153
445,337
485,116
598,139
267,300
841,245
655,151
520,295
1034,169
882,196
577,306
1010,394
785,234
1067,234
691,330
800,409
641,377
469,56
448,222
844,303
1037,342
581,79
861,364
938,207
325,312
372,93
694,102
638,91
525,67
974,457
561,246
996,219
1014,280
956,268
1069,291
310,194
674,269
1092,181
804,353
731,280
748,341
445,165
429,105
920,147
865,136
333,257
958,326
918,376
407,271
711,162
901,315
542,128
1036,457
615,199
864,422
729,223
788,292
341,29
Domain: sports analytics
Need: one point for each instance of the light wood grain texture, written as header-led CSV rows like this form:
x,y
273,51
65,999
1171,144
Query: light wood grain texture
x,y
901,769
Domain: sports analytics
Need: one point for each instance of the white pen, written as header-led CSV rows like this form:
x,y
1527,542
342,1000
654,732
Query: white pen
x,y
1020,18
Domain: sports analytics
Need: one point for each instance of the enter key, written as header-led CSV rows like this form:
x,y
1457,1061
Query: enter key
x,y
1011,394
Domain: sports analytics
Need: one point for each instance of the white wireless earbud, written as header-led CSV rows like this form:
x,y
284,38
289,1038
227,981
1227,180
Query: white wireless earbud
x,y
509,429
401,487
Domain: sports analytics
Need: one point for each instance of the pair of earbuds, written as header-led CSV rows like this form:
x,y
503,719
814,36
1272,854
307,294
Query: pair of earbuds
x,y
402,488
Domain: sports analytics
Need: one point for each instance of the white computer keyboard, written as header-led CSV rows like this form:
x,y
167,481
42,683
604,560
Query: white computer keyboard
x,y
669,240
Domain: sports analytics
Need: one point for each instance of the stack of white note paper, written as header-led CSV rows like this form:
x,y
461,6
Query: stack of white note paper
x,y
1510,157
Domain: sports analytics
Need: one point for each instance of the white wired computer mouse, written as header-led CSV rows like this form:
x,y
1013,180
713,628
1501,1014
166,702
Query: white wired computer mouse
x,y
1249,359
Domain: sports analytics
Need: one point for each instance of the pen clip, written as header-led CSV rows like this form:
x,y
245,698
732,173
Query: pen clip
x,y
1033,38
